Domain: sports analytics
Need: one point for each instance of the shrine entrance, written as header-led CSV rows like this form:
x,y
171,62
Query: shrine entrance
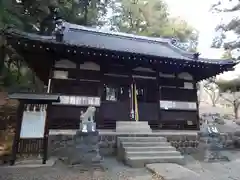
x,y
147,94
115,101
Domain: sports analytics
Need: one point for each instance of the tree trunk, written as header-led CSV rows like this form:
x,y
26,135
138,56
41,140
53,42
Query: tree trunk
x,y
213,99
213,104
86,12
2,58
235,107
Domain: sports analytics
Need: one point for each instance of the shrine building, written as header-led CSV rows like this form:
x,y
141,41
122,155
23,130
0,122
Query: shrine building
x,y
89,67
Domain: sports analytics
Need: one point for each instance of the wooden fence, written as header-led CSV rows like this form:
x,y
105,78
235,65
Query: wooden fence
x,y
30,147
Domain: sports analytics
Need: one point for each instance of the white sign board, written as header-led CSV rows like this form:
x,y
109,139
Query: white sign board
x,y
188,85
178,105
33,124
79,101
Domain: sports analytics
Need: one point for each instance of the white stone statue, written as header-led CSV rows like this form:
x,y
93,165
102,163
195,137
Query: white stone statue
x,y
87,120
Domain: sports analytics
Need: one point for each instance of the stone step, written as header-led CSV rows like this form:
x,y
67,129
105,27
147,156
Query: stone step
x,y
131,130
151,153
150,148
141,161
135,132
132,123
133,127
142,139
127,127
144,144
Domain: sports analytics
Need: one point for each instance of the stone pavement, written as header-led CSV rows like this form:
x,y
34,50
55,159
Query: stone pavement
x,y
217,170
113,171
198,171
170,171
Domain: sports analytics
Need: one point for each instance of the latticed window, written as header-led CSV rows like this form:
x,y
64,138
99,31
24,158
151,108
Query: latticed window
x,y
111,94
115,93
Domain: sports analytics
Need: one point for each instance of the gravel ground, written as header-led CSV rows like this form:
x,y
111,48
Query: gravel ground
x,y
219,170
112,171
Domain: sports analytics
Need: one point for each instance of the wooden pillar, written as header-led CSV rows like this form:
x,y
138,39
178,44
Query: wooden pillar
x,y
197,113
132,92
45,137
133,98
16,139
100,117
78,70
158,96
46,127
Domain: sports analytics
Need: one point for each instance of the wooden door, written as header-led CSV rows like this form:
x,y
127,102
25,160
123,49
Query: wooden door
x,y
115,102
148,103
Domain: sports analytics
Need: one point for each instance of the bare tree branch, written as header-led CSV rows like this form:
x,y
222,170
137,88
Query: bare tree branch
x,y
234,8
234,99
212,89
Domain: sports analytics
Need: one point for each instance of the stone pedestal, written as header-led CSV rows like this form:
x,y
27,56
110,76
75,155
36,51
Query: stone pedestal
x,y
213,151
214,145
85,149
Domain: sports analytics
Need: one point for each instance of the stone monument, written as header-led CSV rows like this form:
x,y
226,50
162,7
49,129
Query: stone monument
x,y
86,142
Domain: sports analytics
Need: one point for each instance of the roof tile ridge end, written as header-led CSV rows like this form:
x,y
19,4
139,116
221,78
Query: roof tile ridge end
x,y
181,51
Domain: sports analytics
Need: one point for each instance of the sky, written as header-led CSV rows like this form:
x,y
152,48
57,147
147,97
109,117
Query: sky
x,y
197,14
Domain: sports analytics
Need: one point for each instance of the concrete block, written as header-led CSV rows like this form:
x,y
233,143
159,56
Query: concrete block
x,y
145,144
142,139
139,162
132,127
150,148
169,171
151,153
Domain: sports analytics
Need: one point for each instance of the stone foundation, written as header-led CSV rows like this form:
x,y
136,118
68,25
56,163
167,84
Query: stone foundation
x,y
230,140
184,143
59,142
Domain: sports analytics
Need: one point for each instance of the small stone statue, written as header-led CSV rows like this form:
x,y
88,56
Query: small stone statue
x,y
87,120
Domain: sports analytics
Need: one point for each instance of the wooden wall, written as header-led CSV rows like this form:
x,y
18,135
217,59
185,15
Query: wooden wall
x,y
89,79
182,90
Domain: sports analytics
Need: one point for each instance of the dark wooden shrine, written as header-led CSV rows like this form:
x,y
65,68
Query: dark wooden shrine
x,y
90,67
31,145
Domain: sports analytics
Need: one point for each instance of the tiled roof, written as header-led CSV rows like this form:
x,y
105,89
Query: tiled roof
x,y
80,35
76,35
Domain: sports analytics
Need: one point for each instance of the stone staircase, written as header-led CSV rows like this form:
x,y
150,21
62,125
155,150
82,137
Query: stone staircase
x,y
139,150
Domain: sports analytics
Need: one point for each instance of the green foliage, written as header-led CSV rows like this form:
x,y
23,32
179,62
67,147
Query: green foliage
x,y
84,12
6,17
232,26
151,18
